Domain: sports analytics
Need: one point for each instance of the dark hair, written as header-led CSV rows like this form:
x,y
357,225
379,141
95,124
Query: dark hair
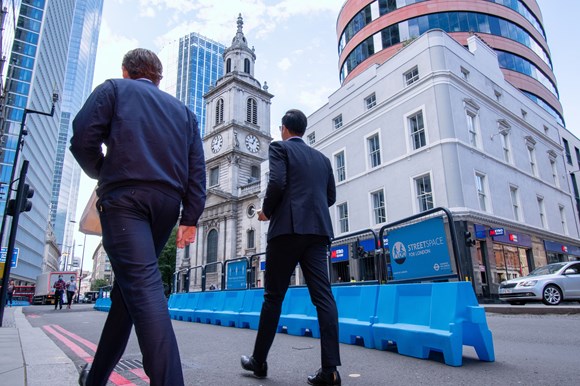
x,y
142,63
295,121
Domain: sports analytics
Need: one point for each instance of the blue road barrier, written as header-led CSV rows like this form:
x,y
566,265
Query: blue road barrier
x,y
249,316
183,306
299,315
441,317
103,304
418,318
357,306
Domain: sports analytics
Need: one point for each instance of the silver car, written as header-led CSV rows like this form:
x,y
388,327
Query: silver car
x,y
551,284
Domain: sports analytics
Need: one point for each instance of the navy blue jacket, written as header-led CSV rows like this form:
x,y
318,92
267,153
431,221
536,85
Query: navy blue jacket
x,y
300,190
152,139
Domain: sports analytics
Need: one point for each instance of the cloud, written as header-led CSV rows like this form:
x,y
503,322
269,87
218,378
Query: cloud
x,y
110,51
218,18
313,100
284,64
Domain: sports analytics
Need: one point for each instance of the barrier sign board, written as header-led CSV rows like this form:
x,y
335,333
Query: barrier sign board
x,y
419,250
236,275
14,256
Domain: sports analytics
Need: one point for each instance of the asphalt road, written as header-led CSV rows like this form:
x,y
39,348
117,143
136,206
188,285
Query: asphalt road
x,y
529,350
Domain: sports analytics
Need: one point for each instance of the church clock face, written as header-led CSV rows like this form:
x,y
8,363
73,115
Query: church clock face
x,y
216,143
252,143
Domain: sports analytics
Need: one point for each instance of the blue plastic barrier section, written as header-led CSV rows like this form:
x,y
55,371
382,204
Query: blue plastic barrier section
x,y
103,304
208,303
357,306
249,316
183,306
298,313
418,318
229,312
442,317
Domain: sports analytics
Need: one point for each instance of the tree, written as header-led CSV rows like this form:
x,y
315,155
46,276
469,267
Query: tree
x,y
98,283
167,261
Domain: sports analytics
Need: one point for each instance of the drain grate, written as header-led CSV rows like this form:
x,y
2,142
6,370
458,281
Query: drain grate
x,y
128,364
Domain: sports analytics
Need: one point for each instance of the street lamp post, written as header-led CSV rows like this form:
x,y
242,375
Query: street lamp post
x,y
23,132
82,262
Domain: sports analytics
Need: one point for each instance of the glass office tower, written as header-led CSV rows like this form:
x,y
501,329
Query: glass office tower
x,y
78,83
191,66
38,58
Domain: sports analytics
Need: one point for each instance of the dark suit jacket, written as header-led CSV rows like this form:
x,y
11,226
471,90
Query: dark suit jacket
x,y
152,139
300,190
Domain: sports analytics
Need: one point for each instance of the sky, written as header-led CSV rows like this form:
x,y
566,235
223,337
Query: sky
x,y
296,50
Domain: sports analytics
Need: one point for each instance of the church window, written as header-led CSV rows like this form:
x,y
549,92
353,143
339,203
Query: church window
x,y
219,112
255,172
214,176
228,65
212,246
247,66
251,239
252,111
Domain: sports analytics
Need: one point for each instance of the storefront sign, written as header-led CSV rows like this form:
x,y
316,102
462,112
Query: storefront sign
x,y
496,232
420,250
339,253
552,246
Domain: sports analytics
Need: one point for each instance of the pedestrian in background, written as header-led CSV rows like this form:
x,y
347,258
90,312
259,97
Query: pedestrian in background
x,y
71,289
10,292
300,190
154,163
59,287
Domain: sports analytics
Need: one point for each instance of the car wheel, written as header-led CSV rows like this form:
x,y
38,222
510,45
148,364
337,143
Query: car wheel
x,y
552,295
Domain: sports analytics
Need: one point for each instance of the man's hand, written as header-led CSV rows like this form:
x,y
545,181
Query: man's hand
x,y
185,235
262,216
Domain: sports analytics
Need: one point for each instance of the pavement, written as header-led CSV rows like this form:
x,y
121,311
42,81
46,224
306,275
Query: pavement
x,y
29,357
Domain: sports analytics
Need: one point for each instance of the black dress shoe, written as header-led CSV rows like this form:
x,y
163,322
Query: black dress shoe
x,y
84,374
325,379
260,370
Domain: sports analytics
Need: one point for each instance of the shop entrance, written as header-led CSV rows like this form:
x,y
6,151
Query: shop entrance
x,y
510,262
340,272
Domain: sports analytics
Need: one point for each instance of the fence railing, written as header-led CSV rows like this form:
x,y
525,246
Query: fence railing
x,y
365,245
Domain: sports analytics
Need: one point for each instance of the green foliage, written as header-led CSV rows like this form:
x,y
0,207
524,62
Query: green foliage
x,y
167,261
98,283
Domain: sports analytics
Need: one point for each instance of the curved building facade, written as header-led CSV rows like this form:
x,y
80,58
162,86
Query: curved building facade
x,y
372,31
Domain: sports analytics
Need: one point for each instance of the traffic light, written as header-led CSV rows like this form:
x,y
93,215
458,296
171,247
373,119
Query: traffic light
x,y
28,193
26,204
469,242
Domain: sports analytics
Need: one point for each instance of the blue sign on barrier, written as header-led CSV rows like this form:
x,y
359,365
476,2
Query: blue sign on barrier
x,y
419,250
15,253
236,275
339,253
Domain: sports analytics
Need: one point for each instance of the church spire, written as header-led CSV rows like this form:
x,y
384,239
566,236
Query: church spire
x,y
239,57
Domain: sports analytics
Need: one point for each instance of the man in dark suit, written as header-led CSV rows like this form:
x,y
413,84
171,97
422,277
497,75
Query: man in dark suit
x,y
300,190
154,164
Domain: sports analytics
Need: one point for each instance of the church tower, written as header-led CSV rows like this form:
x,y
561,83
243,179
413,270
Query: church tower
x,y
236,141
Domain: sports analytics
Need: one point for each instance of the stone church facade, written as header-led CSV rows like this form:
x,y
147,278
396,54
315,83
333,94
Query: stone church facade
x,y
236,142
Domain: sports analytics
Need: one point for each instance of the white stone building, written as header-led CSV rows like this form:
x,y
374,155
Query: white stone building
x,y
437,125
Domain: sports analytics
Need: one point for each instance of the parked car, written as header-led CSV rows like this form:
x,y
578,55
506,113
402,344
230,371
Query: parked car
x,y
550,284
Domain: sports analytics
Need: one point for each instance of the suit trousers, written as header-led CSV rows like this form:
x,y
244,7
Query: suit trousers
x,y
136,223
282,254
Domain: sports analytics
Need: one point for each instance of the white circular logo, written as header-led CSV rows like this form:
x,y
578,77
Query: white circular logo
x,y
399,252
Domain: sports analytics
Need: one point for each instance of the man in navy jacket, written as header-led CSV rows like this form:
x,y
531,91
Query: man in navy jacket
x,y
300,190
154,163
